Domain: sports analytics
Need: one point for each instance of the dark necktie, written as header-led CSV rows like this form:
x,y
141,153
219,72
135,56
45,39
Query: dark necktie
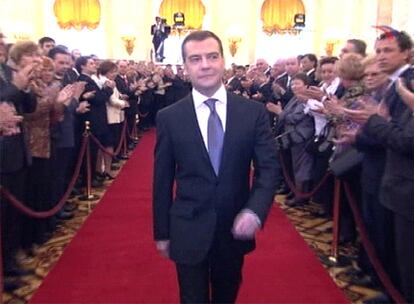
x,y
215,135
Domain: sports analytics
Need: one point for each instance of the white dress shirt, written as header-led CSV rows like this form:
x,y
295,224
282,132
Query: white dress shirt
x,y
312,105
203,111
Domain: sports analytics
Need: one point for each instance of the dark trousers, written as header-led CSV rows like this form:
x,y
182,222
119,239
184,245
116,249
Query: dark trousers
x,y
11,218
216,279
131,121
61,166
38,198
325,194
404,247
378,222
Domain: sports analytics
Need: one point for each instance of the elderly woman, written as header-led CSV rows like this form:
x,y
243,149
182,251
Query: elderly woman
x,y
299,129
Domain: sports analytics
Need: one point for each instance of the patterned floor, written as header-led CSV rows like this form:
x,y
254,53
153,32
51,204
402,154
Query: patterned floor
x,y
315,230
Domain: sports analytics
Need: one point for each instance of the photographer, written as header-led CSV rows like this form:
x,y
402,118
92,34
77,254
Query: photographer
x,y
159,31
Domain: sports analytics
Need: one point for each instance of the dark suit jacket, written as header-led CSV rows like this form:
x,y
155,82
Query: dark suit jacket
x,y
283,82
312,79
204,205
14,154
395,104
123,88
97,114
397,191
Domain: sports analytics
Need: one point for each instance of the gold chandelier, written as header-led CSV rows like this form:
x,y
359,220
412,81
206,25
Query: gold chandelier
x,y
77,14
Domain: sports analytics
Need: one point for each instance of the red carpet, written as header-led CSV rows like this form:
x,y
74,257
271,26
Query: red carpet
x,y
112,259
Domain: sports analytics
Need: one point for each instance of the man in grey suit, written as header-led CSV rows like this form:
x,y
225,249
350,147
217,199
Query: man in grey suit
x,y
206,144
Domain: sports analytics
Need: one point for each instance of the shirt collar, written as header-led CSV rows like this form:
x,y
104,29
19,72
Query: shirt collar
x,y
199,99
393,77
310,71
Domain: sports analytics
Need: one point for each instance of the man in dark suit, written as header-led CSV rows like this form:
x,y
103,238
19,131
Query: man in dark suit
x,y
206,144
128,90
308,63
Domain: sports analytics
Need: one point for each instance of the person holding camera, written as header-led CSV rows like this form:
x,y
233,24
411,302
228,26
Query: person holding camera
x,y
159,32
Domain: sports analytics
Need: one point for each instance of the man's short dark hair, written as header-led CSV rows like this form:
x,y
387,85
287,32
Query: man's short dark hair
x,y
200,36
57,50
312,58
403,39
80,62
44,40
359,45
241,67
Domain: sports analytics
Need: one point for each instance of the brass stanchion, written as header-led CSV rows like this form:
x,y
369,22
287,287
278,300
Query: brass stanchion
x,y
125,144
135,137
335,230
88,195
335,259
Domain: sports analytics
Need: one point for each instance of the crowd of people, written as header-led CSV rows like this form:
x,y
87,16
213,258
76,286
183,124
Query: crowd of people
x,y
357,108
352,115
47,93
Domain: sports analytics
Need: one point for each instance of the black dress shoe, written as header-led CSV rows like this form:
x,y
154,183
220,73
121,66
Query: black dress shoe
x,y
296,202
381,299
10,286
362,280
75,192
99,176
64,215
70,207
290,195
17,272
115,167
96,183
109,176
283,190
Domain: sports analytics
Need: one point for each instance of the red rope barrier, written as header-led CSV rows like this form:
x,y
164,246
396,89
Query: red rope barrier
x,y
336,219
123,137
292,187
134,133
369,248
45,214
120,144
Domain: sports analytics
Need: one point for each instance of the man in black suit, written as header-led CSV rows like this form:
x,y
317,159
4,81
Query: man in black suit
x,y
308,63
206,144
